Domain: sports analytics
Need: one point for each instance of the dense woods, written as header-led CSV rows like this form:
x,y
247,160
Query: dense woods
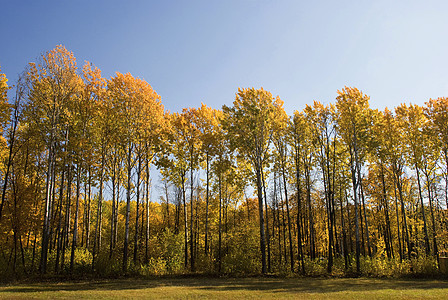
x,y
339,188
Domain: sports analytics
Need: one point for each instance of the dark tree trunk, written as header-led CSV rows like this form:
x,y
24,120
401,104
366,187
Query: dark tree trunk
x,y
261,215
268,238
139,171
75,226
128,208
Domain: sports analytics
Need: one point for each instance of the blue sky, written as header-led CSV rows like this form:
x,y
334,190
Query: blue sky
x,y
202,51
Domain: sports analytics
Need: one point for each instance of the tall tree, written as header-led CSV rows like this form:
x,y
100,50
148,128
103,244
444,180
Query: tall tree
x,y
436,111
208,124
135,103
4,117
250,126
54,84
353,122
280,140
411,120
320,118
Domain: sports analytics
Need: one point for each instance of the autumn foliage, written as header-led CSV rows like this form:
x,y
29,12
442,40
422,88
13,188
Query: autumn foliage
x,y
333,189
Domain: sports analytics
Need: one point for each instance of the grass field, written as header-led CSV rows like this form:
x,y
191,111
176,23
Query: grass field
x,y
231,288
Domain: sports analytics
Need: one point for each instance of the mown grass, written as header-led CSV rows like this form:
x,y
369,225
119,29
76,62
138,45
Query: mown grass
x,y
231,288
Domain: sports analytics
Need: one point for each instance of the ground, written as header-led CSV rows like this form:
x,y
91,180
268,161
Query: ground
x,y
230,288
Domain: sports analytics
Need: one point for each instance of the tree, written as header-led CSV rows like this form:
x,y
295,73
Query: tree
x,y
280,140
352,119
173,163
299,133
54,83
250,125
320,118
98,113
4,117
436,112
207,122
393,148
411,120
136,104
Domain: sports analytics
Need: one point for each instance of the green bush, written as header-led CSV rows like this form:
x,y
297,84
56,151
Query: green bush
x,y
243,255
172,252
316,267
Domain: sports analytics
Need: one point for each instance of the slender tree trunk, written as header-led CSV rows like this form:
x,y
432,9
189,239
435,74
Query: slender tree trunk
x,y
112,217
276,221
400,248
299,208
288,215
128,208
329,220
283,225
53,211
405,225
344,235
59,228
9,161
363,208
139,171
310,215
97,237
66,229
207,193
148,195
75,226
185,220
268,238
431,207
387,235
89,190
220,223
425,228
355,196
47,212
192,266
260,210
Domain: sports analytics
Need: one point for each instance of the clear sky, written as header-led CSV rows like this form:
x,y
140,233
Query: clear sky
x,y
202,51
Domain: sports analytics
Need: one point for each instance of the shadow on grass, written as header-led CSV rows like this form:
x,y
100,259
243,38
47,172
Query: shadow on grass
x,y
274,285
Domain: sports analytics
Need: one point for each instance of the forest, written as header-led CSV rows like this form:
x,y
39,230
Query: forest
x,y
338,189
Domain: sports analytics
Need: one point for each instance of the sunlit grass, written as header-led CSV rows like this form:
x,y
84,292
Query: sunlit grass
x,y
231,288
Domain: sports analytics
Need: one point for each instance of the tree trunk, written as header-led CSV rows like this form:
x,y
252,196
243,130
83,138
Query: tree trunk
x,y
299,209
59,228
128,208
65,233
261,215
366,223
47,213
425,228
192,266
148,195
183,173
405,225
207,160
139,171
288,215
97,240
268,238
89,190
220,223
388,233
75,226
433,220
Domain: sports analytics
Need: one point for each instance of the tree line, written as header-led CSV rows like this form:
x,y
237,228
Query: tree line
x,y
245,188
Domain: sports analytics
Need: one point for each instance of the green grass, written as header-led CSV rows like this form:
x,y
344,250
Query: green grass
x,y
231,288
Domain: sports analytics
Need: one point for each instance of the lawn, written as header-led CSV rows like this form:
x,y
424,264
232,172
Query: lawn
x,y
231,288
